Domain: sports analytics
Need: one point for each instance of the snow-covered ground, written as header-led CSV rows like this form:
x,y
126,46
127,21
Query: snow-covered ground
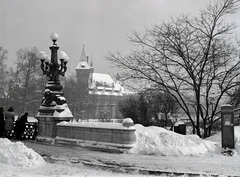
x,y
156,150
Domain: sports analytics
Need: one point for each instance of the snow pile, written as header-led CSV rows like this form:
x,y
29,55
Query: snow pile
x,y
218,138
17,154
65,113
159,141
237,138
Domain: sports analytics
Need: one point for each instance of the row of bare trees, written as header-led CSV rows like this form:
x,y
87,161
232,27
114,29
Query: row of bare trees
x,y
21,87
195,59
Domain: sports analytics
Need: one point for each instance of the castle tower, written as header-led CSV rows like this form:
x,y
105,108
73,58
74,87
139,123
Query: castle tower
x,y
83,71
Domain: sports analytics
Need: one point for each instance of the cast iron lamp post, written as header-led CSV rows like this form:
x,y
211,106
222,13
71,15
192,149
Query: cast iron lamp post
x,y
53,69
53,108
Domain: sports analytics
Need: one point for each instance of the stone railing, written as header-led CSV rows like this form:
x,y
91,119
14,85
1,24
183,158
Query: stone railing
x,y
100,135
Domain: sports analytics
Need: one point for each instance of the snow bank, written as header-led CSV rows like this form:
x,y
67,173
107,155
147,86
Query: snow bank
x,y
17,154
237,138
159,141
218,138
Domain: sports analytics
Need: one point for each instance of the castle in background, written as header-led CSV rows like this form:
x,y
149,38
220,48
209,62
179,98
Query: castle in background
x,y
99,94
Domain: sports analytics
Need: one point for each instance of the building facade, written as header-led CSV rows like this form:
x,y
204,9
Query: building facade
x,y
98,93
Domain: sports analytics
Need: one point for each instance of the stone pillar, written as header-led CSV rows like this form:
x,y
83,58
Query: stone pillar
x,y
47,126
48,117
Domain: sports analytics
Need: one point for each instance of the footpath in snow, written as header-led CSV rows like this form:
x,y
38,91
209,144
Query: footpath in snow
x,y
157,151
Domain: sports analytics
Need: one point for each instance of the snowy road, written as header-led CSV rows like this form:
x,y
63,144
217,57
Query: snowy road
x,y
215,164
166,154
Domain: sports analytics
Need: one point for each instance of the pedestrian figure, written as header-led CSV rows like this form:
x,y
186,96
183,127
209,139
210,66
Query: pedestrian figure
x,y
9,119
20,126
2,122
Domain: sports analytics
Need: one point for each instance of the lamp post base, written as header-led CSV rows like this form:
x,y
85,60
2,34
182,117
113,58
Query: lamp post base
x,y
49,116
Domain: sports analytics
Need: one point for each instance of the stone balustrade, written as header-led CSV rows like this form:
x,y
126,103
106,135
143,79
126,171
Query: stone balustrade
x,y
91,134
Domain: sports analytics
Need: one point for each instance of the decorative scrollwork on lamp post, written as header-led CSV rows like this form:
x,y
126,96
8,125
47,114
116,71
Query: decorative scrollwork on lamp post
x,y
51,67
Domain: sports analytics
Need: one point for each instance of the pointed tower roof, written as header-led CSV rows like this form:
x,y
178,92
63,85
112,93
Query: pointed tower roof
x,y
83,56
83,64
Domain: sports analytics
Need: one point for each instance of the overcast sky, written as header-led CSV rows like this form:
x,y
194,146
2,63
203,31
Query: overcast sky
x,y
102,26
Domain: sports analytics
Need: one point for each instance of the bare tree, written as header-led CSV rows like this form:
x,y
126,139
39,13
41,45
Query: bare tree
x,y
3,73
10,81
164,104
195,59
29,74
3,57
71,95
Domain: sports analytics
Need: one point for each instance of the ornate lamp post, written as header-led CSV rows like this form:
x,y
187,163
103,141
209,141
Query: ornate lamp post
x,y
53,108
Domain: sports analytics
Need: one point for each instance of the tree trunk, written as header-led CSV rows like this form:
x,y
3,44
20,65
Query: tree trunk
x,y
209,130
194,129
198,131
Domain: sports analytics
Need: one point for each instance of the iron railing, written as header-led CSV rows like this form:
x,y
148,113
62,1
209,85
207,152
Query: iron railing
x,y
31,131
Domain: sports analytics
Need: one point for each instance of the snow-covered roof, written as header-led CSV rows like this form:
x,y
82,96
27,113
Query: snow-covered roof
x,y
103,84
102,79
83,65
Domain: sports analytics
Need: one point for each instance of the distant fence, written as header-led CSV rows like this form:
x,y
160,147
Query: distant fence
x,y
30,132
